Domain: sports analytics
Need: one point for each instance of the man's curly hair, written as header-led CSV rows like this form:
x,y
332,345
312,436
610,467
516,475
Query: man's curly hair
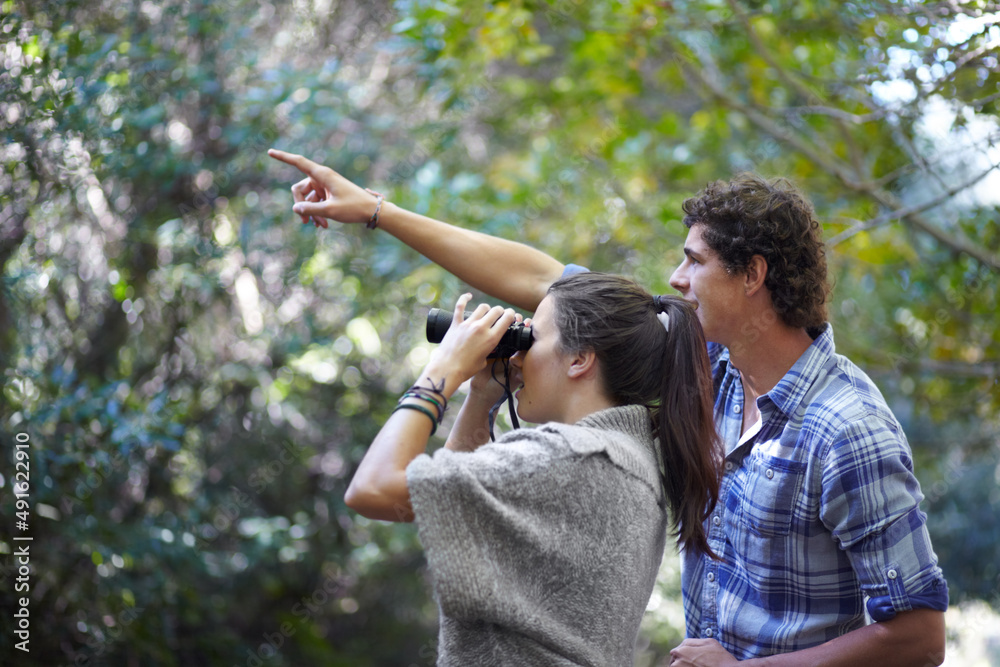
x,y
751,215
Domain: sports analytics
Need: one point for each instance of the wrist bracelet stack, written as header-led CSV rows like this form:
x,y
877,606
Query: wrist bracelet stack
x,y
379,198
432,396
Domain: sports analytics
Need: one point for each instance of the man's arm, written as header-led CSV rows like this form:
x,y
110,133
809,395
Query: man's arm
x,y
507,270
914,638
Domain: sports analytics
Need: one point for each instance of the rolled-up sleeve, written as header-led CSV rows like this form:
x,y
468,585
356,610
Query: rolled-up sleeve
x,y
871,505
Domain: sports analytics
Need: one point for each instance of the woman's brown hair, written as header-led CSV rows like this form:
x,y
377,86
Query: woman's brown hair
x,y
662,367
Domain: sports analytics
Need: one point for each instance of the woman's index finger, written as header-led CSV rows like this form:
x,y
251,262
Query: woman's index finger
x,y
303,164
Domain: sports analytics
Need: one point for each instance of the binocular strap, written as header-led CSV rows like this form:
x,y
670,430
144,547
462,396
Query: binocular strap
x,y
508,397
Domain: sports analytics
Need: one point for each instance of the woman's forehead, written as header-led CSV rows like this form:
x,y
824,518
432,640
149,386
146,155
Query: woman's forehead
x,y
544,312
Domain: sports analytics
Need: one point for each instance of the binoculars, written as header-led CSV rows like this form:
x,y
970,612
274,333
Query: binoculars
x,y
517,337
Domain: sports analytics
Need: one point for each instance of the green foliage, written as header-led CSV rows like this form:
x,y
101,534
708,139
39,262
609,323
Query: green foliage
x,y
199,375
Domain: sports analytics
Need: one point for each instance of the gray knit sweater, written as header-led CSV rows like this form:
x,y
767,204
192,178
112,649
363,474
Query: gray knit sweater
x,y
544,546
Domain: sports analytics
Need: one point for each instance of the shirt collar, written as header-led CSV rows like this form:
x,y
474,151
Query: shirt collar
x,y
787,395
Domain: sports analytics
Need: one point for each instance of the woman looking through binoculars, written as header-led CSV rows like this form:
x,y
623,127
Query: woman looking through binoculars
x,y
544,546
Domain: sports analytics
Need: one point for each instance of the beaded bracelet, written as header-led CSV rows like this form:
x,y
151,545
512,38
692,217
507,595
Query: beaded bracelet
x,y
419,408
379,198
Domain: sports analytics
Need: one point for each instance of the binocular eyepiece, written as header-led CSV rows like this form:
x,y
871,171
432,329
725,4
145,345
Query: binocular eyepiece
x,y
517,337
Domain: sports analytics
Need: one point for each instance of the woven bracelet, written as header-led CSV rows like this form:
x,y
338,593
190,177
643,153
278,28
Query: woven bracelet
x,y
425,391
429,399
419,408
429,390
379,198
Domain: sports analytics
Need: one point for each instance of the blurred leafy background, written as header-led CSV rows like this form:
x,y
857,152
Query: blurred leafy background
x,y
199,374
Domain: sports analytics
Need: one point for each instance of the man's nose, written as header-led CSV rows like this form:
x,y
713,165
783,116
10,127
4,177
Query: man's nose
x,y
679,280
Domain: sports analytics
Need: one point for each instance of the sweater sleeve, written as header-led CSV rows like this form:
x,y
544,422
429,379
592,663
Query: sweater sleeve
x,y
476,513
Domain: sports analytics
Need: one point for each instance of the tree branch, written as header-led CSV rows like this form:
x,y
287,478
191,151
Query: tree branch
x,y
804,91
839,114
832,165
631,206
986,368
909,210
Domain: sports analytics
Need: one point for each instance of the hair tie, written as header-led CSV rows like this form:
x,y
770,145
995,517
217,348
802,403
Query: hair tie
x,y
661,307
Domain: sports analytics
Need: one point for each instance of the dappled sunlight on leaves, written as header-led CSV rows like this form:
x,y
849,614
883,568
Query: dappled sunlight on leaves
x,y
200,373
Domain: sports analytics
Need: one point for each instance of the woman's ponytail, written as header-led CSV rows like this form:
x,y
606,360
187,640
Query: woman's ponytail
x,y
689,443
653,353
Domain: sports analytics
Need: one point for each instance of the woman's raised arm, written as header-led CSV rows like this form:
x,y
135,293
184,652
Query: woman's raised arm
x,y
507,270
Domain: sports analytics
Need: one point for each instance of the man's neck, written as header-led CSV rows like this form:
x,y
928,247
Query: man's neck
x,y
763,362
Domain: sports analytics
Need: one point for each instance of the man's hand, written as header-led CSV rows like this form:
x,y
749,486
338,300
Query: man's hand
x,y
326,195
701,653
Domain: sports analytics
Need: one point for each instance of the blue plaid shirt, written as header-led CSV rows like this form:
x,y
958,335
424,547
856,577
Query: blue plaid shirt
x,y
818,513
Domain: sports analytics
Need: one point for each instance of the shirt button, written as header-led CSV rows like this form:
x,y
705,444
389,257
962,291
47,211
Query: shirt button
x,y
891,574
709,632
737,409
769,473
729,466
711,576
716,520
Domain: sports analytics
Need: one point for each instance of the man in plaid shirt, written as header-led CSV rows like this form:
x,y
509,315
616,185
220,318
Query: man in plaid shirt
x,y
818,519
818,523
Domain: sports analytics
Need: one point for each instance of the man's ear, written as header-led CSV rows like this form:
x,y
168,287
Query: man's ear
x,y
755,274
582,364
